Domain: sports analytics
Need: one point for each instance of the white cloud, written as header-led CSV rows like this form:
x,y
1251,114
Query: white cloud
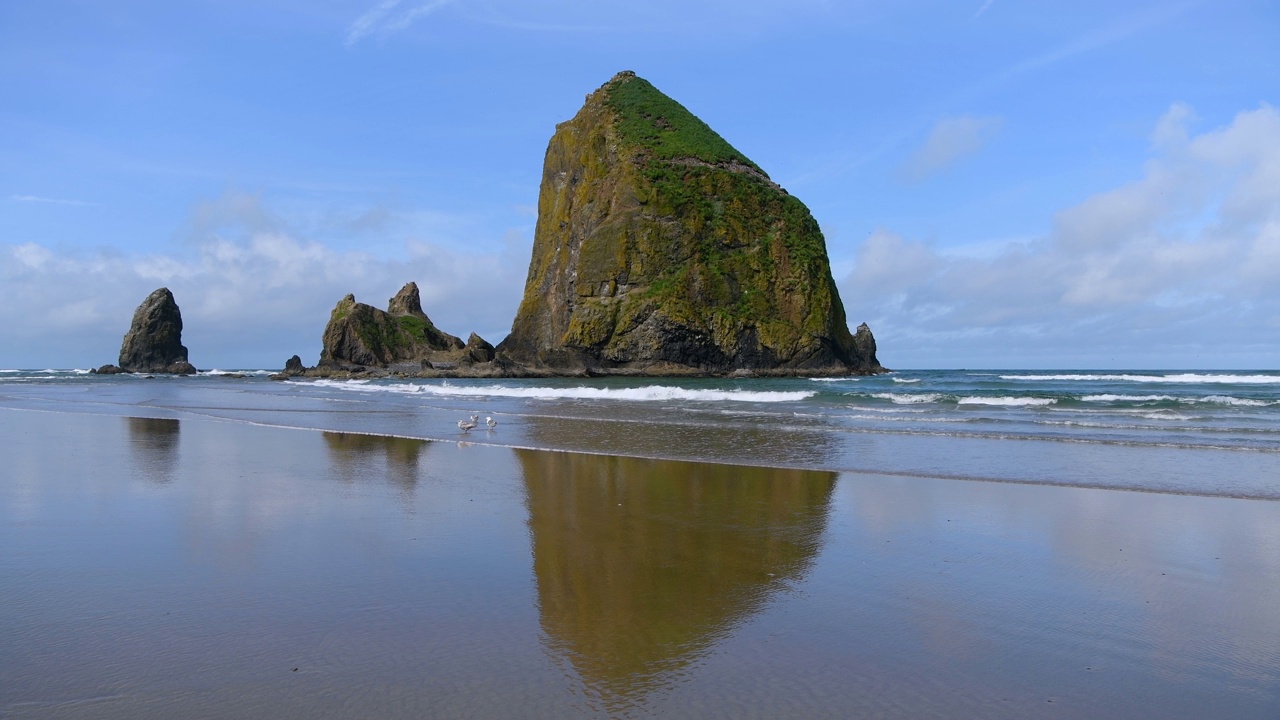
x,y
951,140
985,7
252,292
1187,258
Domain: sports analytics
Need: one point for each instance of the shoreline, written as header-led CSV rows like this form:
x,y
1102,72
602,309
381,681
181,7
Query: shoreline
x,y
464,439
703,420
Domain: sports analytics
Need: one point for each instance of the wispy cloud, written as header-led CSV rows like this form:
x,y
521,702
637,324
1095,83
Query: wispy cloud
x,y
1123,29
985,7
951,140
49,201
389,17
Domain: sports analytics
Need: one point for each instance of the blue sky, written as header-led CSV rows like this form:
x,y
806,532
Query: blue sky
x,y
1001,184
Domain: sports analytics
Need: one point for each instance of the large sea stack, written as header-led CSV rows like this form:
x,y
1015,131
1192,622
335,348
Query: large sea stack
x,y
661,249
362,336
154,341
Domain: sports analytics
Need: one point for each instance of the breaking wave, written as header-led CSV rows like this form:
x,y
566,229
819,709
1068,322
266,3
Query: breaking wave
x,y
909,398
1107,397
1171,378
1007,401
215,371
648,393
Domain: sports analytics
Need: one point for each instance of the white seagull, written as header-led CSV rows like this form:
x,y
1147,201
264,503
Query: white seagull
x,y
490,422
466,425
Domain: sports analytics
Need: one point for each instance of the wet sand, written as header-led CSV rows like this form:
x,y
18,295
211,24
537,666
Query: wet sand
x,y
199,569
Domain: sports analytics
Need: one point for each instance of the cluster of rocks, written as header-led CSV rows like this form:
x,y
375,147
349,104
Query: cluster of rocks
x,y
361,339
659,250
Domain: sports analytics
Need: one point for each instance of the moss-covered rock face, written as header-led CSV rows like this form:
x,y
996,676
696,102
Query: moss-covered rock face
x,y
362,335
661,248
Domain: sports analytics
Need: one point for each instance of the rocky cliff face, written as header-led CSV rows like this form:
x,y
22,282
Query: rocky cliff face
x,y
660,248
154,341
362,335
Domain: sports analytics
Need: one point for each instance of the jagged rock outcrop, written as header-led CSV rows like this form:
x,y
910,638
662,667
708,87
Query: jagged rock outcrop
x,y
479,350
293,367
360,335
153,343
661,249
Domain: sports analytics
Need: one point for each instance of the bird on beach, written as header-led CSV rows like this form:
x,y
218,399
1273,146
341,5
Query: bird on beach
x,y
490,422
466,425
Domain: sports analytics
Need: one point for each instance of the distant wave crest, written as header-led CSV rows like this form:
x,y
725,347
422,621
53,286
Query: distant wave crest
x,y
1108,397
1238,402
216,371
1007,401
647,393
909,398
1173,378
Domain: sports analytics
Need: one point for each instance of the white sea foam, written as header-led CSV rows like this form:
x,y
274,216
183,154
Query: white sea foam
x,y
1166,416
1238,402
10,371
648,393
1106,397
906,380
323,382
1174,378
216,371
1007,401
834,379
909,398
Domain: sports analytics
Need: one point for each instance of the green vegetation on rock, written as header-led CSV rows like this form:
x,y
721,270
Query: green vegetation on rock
x,y
362,335
659,244
649,119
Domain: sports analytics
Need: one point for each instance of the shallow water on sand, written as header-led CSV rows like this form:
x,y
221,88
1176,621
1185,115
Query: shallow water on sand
x,y
163,567
1199,433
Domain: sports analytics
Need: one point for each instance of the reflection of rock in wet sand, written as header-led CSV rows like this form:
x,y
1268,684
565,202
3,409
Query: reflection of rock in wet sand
x,y
741,442
356,458
642,565
155,446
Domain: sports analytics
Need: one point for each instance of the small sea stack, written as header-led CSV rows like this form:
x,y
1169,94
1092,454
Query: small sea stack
x,y
153,343
362,336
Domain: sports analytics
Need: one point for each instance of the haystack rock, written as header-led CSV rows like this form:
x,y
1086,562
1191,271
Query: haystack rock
x,y
661,249
154,341
360,335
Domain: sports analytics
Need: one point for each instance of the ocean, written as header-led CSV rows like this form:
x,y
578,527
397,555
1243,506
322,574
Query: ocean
x,y
1196,432
933,544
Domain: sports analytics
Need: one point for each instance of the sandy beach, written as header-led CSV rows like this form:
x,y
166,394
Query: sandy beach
x,y
162,567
